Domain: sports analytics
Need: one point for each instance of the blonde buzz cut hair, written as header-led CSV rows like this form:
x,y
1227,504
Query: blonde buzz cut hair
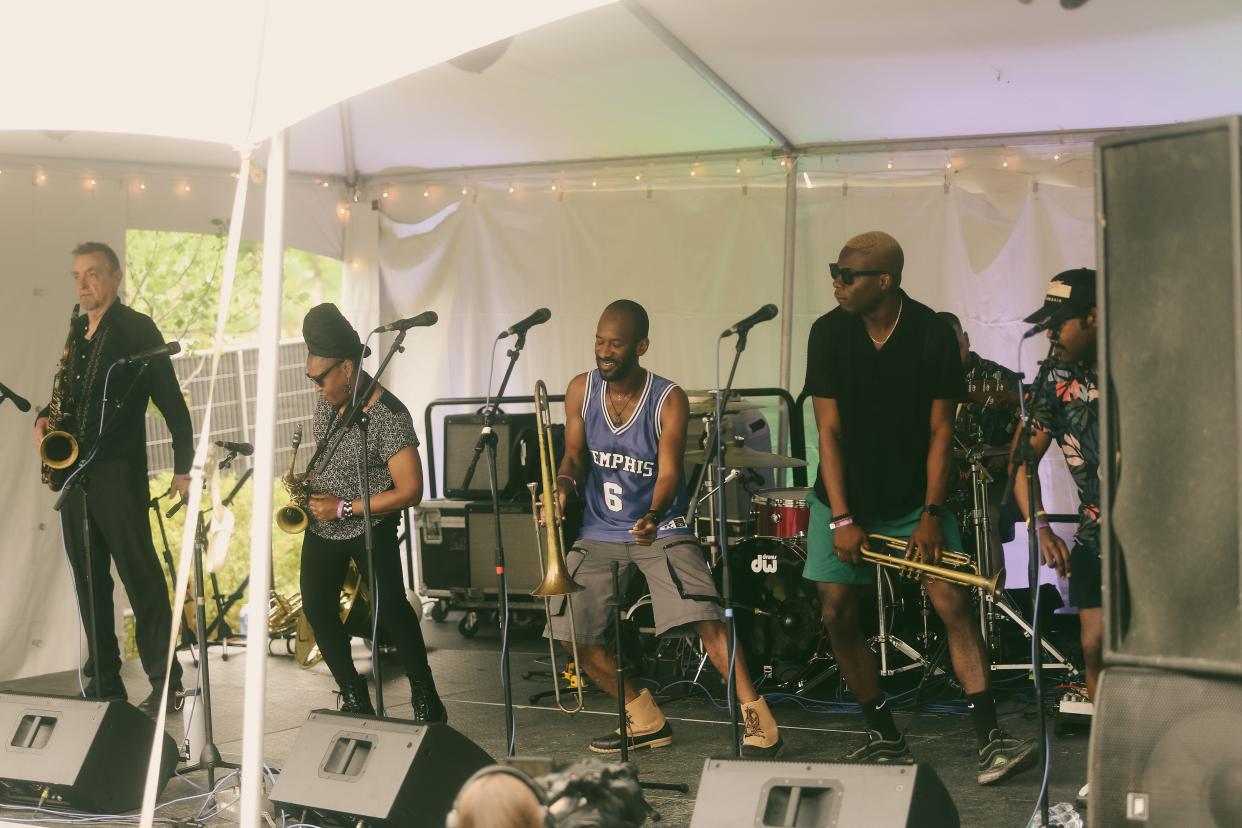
x,y
882,248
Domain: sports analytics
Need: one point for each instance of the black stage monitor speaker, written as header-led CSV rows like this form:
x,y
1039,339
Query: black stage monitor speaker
x,y
89,755
1165,750
764,794
1170,245
513,453
387,772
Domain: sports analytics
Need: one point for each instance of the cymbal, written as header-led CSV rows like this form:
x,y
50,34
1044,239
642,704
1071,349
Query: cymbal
x,y
704,402
744,457
983,452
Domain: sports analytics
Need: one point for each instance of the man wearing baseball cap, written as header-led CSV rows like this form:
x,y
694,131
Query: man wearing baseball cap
x,y
1066,408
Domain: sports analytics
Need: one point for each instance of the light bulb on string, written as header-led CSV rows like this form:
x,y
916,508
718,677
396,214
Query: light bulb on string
x,y
464,191
426,193
594,182
890,165
1056,156
323,184
510,188
638,177
1005,163
384,194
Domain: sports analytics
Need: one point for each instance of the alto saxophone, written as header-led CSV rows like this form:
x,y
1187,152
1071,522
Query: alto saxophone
x,y
59,448
292,518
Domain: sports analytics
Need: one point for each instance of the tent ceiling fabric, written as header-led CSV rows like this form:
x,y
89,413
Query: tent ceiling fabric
x,y
237,73
598,84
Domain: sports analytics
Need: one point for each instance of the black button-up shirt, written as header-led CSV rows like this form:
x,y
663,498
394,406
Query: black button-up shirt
x,y
128,332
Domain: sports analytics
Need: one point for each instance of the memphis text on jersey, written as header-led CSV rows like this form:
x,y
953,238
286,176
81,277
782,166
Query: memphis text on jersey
x,y
613,460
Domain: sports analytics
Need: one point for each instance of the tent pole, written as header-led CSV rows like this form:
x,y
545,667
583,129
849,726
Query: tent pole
x,y
347,143
261,514
708,74
787,291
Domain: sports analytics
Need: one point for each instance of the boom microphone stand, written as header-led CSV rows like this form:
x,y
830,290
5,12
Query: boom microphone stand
x,y
356,415
1032,544
487,444
742,329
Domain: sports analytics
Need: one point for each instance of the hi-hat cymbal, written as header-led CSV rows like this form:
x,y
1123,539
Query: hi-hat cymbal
x,y
982,451
744,457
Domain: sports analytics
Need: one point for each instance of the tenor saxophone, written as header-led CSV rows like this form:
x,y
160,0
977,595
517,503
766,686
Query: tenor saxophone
x,y
59,448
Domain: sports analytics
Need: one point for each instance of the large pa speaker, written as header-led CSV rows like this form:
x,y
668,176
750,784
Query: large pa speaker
x,y
387,772
1170,244
765,794
1165,750
86,754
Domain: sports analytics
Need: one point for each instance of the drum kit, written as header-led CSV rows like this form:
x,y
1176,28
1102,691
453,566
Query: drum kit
x,y
777,610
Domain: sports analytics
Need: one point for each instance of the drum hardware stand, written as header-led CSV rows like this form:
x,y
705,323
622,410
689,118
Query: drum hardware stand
x,y
885,639
992,609
616,602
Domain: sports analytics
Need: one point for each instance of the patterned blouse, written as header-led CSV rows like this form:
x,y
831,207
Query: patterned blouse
x,y
1068,409
390,430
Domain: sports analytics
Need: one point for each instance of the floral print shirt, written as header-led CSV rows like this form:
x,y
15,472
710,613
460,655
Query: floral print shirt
x,y
1068,409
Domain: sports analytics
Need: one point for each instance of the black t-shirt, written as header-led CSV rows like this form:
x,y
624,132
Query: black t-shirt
x,y
884,398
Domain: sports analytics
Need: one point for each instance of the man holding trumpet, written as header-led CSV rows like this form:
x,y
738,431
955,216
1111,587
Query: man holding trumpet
x,y
884,374
625,439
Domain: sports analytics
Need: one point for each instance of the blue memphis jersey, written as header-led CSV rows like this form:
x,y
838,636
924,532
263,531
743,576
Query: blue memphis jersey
x,y
622,464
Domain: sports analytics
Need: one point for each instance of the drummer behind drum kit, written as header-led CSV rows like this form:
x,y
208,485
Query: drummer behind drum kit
x,y
778,616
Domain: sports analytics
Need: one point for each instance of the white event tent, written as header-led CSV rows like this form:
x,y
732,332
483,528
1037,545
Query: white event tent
x,y
484,158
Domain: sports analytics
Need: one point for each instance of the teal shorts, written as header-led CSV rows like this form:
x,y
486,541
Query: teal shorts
x,y
822,563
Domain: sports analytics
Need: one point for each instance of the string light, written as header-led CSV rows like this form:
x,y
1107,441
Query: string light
x,y
384,194
40,178
463,191
890,165
142,185
692,172
554,187
1056,156
638,177
511,188
90,183
426,193
323,184
1005,163
594,182
948,165
784,162
186,188
738,168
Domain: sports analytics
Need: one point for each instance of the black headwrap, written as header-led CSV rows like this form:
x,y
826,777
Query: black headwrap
x,y
328,334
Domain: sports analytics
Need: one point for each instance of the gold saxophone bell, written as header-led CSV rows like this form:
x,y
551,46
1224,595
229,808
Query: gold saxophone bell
x,y
58,450
955,567
292,518
551,542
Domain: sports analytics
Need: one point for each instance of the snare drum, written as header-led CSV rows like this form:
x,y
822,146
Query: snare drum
x,y
780,513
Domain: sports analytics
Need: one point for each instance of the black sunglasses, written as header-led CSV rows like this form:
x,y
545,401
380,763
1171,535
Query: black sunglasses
x,y
847,276
319,378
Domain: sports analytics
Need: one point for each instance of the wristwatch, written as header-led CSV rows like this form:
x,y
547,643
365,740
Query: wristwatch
x,y
934,509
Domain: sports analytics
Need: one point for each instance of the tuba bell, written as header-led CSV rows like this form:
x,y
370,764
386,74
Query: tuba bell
x,y
551,544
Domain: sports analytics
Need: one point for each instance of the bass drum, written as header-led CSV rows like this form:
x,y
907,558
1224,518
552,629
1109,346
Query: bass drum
x,y
777,610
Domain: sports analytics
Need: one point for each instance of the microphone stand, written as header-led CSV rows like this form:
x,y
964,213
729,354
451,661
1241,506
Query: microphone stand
x,y
487,443
78,477
716,448
356,415
1033,555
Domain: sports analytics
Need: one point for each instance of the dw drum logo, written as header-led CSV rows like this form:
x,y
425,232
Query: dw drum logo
x,y
764,563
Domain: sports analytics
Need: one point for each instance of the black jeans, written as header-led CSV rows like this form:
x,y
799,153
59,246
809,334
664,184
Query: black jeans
x,y
324,564
116,498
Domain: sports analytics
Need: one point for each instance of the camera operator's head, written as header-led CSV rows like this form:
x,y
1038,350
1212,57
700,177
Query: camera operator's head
x,y
499,797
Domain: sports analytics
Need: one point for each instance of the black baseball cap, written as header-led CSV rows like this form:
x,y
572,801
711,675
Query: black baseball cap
x,y
1069,293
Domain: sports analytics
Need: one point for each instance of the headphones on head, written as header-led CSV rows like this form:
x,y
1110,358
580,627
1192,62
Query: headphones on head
x,y
451,820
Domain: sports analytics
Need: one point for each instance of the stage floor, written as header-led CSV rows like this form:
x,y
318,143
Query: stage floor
x,y
467,673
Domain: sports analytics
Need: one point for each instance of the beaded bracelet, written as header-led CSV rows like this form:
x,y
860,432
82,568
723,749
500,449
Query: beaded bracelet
x,y
349,508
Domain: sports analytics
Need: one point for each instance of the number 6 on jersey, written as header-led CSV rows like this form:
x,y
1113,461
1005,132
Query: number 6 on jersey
x,y
612,497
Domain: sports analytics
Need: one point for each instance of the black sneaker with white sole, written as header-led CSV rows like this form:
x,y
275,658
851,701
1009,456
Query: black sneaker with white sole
x,y
879,749
1004,756
611,742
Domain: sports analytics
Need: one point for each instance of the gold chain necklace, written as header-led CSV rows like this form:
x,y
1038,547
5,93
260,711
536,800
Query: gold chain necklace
x,y
881,342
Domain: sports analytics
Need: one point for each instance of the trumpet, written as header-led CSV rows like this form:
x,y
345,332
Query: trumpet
x,y
955,567
292,517
551,542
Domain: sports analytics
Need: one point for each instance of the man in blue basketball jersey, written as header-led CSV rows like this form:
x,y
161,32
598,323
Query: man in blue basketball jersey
x,y
625,437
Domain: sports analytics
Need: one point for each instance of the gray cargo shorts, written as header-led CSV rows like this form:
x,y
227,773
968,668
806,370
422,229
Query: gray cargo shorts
x,y
682,591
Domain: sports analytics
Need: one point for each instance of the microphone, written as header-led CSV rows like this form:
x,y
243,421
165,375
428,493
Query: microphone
x,y
244,449
167,349
423,320
1035,331
762,315
21,402
537,318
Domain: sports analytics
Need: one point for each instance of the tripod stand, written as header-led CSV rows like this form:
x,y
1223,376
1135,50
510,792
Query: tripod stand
x,y
995,609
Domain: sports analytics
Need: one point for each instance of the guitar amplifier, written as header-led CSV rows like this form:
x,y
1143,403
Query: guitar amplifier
x,y
516,451
457,547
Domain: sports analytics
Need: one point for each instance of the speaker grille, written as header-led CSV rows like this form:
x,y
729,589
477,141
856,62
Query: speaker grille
x,y
1168,744
1170,307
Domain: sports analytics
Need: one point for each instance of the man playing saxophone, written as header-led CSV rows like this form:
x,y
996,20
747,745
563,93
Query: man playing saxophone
x,y
112,498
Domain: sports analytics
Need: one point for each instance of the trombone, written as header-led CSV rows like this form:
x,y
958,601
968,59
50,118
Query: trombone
x,y
556,578
957,567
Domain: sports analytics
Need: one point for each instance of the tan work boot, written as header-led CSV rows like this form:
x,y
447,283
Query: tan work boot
x,y
763,738
645,726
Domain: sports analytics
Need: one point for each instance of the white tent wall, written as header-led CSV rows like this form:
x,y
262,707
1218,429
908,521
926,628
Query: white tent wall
x,y
40,222
701,252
